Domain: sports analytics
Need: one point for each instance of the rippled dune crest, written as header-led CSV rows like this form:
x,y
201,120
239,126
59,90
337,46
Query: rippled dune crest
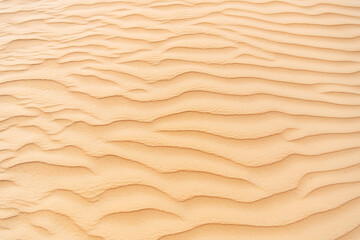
x,y
180,120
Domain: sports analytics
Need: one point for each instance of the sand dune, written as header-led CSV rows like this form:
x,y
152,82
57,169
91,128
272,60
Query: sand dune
x,y
180,119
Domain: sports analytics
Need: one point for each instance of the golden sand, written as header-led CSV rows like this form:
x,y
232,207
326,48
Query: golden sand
x,y
179,120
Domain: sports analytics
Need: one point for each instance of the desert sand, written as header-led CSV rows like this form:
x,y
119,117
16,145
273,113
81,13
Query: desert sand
x,y
179,120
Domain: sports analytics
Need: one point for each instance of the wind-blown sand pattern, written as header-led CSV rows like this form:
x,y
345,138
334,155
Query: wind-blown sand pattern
x,y
180,120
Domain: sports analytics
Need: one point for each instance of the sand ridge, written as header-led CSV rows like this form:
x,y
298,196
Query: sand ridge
x,y
180,119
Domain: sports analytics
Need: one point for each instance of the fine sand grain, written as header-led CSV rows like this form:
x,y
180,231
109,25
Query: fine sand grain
x,y
179,120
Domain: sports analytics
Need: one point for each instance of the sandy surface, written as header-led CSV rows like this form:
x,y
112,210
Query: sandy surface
x,y
179,120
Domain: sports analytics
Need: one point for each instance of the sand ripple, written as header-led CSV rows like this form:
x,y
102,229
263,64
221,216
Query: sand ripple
x,y
180,119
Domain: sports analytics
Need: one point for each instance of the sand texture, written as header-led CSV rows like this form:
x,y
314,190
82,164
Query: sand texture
x,y
179,120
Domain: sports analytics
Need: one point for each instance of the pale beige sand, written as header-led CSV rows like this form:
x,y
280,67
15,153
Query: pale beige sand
x,y
180,120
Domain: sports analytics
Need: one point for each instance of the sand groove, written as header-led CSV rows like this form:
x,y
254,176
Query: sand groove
x,y
180,119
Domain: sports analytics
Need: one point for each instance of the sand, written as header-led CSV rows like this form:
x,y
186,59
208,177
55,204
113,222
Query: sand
x,y
179,120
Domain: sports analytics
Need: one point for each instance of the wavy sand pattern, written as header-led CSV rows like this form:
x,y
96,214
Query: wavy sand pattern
x,y
180,120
